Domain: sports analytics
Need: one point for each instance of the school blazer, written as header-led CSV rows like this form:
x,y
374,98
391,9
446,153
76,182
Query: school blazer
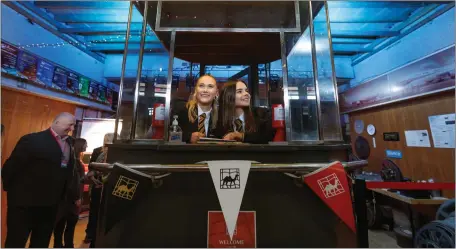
x,y
188,127
263,134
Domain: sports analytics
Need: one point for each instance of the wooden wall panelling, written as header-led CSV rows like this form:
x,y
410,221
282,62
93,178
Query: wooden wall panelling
x,y
417,163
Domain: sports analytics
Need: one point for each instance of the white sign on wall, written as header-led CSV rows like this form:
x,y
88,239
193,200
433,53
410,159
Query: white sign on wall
x,y
94,129
443,130
417,138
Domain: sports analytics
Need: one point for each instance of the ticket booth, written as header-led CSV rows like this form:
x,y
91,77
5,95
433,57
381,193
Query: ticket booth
x,y
249,39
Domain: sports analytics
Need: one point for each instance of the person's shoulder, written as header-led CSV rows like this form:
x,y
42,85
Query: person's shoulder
x,y
182,114
98,150
36,135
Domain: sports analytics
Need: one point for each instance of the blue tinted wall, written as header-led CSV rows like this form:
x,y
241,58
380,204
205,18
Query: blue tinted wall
x,y
17,30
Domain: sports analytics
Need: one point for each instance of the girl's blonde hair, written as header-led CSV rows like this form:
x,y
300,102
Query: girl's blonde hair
x,y
192,105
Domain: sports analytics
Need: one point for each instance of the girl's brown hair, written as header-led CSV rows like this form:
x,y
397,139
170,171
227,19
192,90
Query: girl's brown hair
x,y
228,108
192,105
79,144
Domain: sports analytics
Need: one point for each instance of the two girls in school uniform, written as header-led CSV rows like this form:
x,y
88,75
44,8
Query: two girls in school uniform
x,y
226,115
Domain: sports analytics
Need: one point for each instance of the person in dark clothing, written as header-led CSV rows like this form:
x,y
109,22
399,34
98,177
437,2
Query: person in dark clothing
x,y
199,117
69,209
98,155
36,178
95,196
236,119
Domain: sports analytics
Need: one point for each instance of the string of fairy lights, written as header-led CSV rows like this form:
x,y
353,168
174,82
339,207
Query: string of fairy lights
x,y
117,38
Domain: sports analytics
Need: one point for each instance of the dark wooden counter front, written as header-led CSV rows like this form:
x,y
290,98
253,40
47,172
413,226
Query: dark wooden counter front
x,y
185,154
174,212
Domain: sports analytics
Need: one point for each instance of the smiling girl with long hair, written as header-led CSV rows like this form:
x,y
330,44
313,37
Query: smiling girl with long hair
x,y
237,121
199,118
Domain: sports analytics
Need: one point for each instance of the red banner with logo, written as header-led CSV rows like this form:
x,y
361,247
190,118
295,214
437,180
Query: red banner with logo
x,y
244,234
331,185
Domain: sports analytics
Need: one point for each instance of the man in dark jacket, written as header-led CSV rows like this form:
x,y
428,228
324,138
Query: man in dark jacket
x,y
36,178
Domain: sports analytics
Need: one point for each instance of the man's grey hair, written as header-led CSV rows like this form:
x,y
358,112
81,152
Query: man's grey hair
x,y
63,115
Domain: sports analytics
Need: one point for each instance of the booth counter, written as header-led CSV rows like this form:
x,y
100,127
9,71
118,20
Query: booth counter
x,y
192,153
175,195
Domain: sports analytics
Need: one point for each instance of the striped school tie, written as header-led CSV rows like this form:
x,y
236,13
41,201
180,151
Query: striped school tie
x,y
201,119
238,125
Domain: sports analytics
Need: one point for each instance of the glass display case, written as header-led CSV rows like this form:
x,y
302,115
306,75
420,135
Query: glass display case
x,y
302,78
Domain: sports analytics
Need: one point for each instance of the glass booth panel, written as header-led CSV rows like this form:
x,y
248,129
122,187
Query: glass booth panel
x,y
185,75
223,73
263,84
127,94
150,120
330,118
275,79
301,90
144,82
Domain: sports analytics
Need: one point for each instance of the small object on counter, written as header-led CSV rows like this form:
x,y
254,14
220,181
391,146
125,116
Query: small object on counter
x,y
175,132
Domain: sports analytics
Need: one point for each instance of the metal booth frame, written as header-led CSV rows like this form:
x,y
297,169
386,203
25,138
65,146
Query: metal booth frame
x,y
173,31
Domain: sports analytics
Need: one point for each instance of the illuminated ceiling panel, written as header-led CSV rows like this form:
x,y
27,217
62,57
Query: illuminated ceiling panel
x,y
360,29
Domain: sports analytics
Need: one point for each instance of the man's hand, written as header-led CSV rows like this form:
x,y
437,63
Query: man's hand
x,y
196,137
234,136
90,176
97,183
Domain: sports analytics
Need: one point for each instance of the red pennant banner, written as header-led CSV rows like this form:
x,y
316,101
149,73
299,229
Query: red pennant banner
x,y
331,185
244,233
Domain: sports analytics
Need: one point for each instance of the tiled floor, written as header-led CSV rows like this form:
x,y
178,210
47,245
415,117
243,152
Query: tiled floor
x,y
79,234
382,239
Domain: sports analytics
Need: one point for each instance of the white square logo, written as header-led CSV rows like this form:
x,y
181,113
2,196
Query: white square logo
x,y
330,185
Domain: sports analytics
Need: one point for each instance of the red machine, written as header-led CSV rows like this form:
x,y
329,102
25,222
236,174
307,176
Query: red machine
x,y
158,121
278,122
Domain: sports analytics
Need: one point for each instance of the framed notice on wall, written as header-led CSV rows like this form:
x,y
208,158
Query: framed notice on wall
x,y
26,66
109,95
84,86
442,128
93,90
73,83
60,79
45,73
9,58
101,93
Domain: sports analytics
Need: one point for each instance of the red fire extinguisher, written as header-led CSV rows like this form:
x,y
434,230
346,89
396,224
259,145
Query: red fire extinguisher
x,y
158,121
278,122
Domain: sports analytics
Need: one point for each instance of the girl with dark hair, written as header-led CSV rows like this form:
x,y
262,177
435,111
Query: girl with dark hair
x,y
199,117
237,121
68,214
